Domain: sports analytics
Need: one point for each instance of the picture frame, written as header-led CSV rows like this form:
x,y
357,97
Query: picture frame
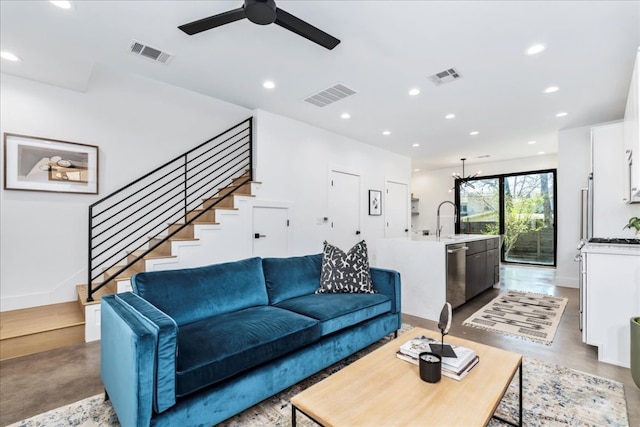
x,y
375,202
33,163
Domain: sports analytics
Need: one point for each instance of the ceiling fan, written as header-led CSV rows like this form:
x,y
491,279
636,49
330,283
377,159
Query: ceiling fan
x,y
263,12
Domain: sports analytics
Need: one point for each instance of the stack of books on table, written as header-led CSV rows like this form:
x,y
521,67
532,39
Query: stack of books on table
x,y
452,367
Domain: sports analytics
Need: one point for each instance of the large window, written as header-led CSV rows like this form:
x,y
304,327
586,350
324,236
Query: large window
x,y
519,207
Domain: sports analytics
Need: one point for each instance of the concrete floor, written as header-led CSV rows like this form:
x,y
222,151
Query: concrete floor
x,y
37,383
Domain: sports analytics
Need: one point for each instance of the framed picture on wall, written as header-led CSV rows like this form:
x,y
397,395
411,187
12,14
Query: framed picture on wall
x,y
375,202
39,164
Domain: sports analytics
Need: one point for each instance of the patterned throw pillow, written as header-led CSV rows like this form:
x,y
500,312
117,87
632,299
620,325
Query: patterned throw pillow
x,y
345,273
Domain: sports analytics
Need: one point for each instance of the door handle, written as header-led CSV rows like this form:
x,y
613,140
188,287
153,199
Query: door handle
x,y
258,235
358,232
451,251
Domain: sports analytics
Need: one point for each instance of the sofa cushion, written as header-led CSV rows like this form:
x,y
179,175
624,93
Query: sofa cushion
x,y
338,311
217,348
291,277
345,272
193,294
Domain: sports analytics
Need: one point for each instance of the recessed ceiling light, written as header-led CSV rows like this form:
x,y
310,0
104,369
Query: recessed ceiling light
x,y
551,89
540,152
268,84
415,91
345,115
416,145
562,114
535,49
62,4
449,116
531,142
475,132
386,132
9,56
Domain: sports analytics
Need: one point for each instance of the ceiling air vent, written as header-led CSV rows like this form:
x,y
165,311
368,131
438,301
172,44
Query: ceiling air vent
x,y
149,52
446,76
330,95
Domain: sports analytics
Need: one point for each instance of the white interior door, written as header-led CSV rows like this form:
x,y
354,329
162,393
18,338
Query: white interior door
x,y
344,210
270,231
396,210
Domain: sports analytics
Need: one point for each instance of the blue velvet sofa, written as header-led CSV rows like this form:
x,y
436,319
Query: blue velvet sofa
x,y
194,347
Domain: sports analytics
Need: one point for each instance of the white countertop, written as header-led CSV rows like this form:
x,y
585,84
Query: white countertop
x,y
600,248
456,238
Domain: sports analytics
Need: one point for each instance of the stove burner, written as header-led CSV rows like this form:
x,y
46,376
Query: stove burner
x,y
615,241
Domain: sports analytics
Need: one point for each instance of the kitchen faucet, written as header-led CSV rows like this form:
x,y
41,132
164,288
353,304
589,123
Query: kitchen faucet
x,y
455,218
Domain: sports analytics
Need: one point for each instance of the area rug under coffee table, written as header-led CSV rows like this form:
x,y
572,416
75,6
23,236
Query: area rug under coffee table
x,y
534,317
553,396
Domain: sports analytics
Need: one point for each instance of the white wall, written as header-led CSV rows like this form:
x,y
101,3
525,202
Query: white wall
x,y
432,187
138,124
294,161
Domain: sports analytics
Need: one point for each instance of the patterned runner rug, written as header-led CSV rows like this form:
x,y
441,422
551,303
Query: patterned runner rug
x,y
534,317
552,396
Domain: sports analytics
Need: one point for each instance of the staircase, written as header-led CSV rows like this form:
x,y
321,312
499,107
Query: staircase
x,y
195,232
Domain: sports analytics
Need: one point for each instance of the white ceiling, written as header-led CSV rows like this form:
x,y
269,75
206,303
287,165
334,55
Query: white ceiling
x,y
387,48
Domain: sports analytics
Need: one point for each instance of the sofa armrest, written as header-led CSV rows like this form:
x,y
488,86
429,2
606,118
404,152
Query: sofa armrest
x,y
387,282
164,392
127,352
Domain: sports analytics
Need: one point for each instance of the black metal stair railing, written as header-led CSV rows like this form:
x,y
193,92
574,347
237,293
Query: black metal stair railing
x,y
136,218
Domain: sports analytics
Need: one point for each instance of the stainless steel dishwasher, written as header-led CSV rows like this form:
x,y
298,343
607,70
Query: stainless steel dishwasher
x,y
456,274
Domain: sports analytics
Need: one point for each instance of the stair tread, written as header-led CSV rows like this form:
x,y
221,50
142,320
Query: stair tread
x,y
83,292
28,321
151,255
196,222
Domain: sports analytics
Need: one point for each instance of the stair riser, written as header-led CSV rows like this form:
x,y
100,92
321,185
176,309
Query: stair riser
x,y
162,249
215,202
138,265
208,216
185,233
243,189
241,178
43,341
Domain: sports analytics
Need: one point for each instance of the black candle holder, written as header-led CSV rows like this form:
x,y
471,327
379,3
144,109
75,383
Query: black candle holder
x,y
430,367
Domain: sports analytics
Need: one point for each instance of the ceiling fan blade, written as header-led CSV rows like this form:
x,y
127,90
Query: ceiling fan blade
x,y
205,24
308,31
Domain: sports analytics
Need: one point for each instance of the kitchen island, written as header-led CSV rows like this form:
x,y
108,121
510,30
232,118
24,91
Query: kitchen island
x,y
436,270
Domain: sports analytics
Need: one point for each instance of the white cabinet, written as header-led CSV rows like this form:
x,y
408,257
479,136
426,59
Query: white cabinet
x,y
610,209
611,297
632,138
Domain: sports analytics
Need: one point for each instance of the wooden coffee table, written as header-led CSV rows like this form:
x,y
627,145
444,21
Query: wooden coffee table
x,y
381,390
